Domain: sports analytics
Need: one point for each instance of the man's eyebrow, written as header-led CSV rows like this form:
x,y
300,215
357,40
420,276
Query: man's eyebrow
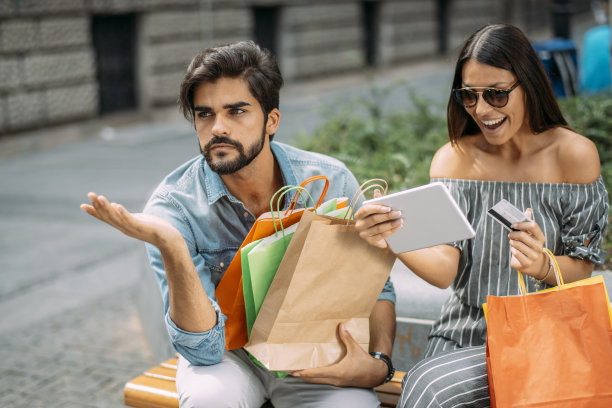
x,y
233,105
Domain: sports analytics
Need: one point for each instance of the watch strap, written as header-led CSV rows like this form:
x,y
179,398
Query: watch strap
x,y
387,360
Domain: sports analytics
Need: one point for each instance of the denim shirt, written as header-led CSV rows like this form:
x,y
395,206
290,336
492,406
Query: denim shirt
x,y
214,223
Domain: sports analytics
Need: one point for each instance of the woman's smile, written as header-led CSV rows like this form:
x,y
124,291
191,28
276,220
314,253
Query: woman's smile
x,y
493,124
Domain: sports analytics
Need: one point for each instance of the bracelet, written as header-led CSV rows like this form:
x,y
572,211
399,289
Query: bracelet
x,y
387,360
539,282
550,266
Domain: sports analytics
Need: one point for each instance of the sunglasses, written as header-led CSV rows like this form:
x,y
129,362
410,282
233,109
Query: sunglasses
x,y
468,96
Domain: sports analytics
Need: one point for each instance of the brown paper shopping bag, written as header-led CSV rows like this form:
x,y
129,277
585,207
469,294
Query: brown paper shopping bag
x,y
328,275
551,348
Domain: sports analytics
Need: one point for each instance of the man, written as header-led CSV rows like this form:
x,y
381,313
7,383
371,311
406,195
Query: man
x,y
199,215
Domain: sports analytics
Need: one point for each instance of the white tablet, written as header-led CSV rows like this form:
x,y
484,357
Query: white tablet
x,y
431,217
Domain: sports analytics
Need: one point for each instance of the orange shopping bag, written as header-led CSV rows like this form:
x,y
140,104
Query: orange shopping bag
x,y
229,292
552,348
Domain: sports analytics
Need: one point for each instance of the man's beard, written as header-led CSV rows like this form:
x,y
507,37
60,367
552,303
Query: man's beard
x,y
222,166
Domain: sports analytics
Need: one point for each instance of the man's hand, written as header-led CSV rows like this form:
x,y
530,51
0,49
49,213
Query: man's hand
x,y
189,306
144,227
356,369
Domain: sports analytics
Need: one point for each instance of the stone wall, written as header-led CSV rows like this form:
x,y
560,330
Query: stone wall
x,y
466,16
409,30
47,65
320,39
49,68
169,39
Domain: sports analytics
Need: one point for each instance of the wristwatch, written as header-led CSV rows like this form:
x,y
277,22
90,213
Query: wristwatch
x,y
387,360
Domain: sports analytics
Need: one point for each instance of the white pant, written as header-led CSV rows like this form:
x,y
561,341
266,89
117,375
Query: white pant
x,y
237,382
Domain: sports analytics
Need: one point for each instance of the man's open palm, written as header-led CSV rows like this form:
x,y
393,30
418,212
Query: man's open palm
x,y
144,227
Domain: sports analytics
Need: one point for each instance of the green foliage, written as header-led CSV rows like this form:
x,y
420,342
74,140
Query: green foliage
x,y
395,146
399,146
591,116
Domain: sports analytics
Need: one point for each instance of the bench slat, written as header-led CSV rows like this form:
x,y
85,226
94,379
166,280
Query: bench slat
x,y
162,372
170,363
150,392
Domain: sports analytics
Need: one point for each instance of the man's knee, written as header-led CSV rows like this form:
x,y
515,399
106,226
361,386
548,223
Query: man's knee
x,y
352,397
227,384
204,395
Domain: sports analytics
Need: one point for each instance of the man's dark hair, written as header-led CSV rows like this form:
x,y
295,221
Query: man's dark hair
x,y
505,46
244,59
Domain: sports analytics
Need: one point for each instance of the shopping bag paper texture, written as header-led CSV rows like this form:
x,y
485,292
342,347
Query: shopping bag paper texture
x,y
328,275
551,348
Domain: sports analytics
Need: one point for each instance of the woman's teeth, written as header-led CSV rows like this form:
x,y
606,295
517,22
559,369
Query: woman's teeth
x,y
493,124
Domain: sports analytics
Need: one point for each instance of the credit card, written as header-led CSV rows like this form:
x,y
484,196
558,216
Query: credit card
x,y
507,214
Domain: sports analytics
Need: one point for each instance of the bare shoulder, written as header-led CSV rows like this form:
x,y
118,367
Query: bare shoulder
x,y
578,157
450,161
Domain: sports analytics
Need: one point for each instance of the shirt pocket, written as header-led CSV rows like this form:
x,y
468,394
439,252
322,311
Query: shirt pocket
x,y
217,261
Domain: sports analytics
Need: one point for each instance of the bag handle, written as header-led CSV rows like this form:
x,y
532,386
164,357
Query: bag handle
x,y
281,192
303,185
361,192
554,265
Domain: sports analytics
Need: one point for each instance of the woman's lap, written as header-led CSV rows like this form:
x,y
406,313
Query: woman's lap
x,y
456,378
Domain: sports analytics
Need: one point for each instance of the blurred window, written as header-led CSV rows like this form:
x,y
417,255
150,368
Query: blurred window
x,y
114,44
266,27
370,20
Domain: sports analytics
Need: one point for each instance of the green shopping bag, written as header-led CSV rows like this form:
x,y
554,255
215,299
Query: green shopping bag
x,y
328,206
247,285
263,261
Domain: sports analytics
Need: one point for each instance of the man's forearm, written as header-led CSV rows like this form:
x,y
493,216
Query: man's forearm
x,y
189,306
382,327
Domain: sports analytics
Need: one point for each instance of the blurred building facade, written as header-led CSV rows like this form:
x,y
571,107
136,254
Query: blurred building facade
x,y
66,60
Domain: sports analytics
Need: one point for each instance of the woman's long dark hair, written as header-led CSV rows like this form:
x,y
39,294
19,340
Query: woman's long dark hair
x,y
505,46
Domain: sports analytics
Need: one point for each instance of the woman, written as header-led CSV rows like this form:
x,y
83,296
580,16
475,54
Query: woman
x,y
508,139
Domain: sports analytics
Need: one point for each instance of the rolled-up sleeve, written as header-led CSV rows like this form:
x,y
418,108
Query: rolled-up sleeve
x,y
585,222
205,348
388,292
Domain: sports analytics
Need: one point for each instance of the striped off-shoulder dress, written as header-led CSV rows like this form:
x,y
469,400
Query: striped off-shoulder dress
x,y
570,216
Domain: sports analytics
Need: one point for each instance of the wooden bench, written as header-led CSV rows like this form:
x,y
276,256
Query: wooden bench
x,y
156,388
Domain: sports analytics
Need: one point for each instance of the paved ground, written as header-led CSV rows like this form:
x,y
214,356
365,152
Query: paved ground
x,y
78,358
70,333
